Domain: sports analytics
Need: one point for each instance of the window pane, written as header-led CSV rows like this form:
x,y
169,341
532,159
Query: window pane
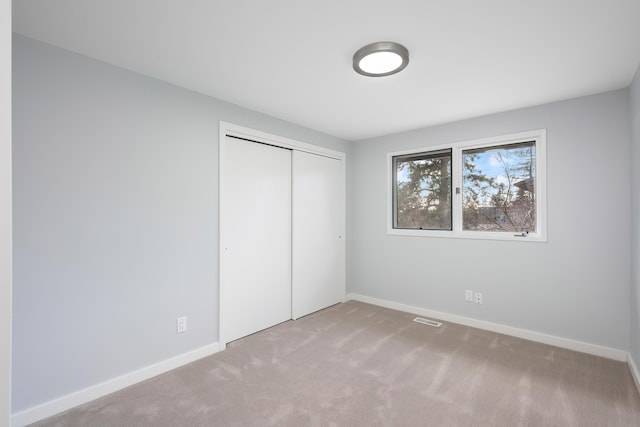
x,y
423,191
498,192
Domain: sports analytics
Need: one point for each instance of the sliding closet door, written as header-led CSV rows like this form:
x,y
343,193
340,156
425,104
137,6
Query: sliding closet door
x,y
318,246
255,210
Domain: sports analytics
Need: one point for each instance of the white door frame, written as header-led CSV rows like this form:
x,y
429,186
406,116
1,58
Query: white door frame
x,y
231,129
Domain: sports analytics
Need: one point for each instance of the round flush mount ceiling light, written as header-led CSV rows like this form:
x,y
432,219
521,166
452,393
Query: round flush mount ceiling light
x,y
380,59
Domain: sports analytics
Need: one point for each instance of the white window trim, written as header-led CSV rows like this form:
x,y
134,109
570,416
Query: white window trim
x,y
540,137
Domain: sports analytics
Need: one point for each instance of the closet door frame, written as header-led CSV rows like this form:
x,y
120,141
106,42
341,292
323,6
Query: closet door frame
x,y
230,129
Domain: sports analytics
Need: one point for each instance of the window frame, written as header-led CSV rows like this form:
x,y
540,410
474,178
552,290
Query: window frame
x,y
538,136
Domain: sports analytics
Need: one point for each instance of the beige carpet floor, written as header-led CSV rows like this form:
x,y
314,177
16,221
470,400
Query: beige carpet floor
x,y
355,364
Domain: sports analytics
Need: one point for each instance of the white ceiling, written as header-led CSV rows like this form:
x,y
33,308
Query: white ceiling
x,y
292,58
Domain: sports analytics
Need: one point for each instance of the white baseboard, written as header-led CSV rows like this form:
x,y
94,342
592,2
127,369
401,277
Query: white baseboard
x,y
609,353
88,394
634,371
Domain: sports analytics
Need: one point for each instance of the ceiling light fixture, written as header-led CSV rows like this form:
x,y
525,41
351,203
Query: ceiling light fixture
x,y
380,59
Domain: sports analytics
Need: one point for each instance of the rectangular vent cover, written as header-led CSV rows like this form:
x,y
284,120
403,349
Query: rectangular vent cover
x,y
427,322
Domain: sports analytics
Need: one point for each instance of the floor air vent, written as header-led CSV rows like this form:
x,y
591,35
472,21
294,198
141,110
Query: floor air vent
x,y
427,322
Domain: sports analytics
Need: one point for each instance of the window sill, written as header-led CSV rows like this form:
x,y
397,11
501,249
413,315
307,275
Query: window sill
x,y
475,235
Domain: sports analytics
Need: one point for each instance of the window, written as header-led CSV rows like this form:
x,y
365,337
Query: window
x,y
423,191
492,188
498,188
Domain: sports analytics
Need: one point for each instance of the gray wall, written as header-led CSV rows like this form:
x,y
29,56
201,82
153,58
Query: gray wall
x,y
5,212
116,216
575,286
635,216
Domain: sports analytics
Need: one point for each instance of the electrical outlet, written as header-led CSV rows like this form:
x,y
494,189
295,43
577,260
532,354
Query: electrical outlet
x,y
468,295
478,298
181,324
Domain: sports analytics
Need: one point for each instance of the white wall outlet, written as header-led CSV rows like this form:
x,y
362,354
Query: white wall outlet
x,y
478,298
468,295
181,324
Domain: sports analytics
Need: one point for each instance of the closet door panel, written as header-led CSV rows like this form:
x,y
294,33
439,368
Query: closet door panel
x,y
255,209
318,247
